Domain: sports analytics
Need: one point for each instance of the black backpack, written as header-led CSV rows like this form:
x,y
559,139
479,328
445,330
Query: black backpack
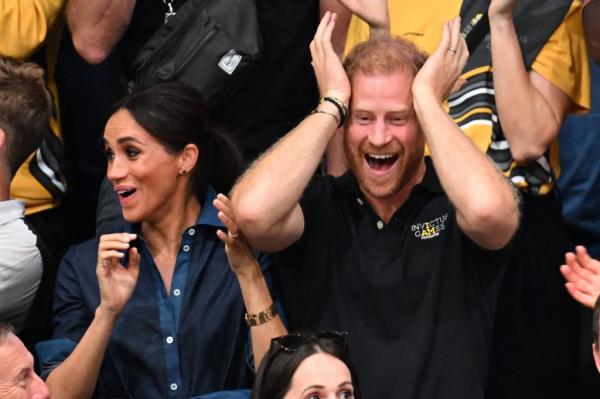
x,y
211,45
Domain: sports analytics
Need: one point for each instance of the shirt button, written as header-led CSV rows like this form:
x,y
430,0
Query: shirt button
x,y
360,202
173,387
192,232
176,292
186,248
169,340
380,224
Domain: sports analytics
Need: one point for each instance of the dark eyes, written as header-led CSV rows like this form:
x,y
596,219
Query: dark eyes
x,y
130,152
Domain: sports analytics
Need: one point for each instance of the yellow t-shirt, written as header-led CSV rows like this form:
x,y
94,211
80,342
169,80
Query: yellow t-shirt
x,y
562,61
26,25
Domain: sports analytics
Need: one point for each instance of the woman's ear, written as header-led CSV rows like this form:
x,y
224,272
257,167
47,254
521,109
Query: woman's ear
x,y
188,158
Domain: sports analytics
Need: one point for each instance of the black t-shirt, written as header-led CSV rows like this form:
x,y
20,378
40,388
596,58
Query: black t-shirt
x,y
279,93
417,296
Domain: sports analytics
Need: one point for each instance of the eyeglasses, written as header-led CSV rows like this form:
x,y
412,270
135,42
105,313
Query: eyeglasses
x,y
334,341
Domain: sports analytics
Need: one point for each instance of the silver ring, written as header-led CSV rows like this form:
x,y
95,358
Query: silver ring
x,y
453,50
233,235
105,263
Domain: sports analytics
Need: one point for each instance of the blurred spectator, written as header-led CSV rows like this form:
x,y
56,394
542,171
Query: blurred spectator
x,y
311,365
591,16
25,106
595,334
30,30
17,377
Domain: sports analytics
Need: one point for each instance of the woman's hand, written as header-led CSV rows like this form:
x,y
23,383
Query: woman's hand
x,y
330,74
240,255
582,273
443,68
373,12
116,281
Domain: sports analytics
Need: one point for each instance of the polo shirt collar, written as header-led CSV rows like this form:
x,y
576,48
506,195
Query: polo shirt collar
x,y
349,185
11,210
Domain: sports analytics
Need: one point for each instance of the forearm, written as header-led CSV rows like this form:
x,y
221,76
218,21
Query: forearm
x,y
528,121
338,38
97,26
76,376
257,298
265,198
485,203
24,25
591,16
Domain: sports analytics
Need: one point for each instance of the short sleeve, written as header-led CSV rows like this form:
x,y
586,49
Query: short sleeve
x,y
563,60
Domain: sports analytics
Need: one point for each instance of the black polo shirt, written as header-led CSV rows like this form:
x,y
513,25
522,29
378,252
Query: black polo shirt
x,y
416,295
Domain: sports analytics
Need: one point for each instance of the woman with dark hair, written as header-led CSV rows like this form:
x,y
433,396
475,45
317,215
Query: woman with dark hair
x,y
308,367
158,308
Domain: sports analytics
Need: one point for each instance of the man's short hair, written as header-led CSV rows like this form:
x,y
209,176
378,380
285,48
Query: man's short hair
x,y
384,55
595,321
25,109
5,330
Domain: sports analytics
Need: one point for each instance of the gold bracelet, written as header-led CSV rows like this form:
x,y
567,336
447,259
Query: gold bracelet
x,y
323,111
257,319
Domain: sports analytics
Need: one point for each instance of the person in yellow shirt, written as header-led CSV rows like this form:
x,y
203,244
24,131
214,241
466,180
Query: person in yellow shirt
x,y
526,75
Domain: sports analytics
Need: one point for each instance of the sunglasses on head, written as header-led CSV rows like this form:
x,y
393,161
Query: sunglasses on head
x,y
291,342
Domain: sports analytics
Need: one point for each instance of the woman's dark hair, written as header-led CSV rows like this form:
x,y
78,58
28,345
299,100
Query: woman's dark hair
x,y
175,115
274,376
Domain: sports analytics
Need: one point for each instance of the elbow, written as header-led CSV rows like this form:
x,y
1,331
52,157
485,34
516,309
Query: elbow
x,y
497,220
251,219
91,51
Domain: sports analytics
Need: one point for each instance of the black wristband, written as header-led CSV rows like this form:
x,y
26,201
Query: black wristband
x,y
341,107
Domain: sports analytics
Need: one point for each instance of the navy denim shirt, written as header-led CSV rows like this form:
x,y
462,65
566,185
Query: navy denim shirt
x,y
190,342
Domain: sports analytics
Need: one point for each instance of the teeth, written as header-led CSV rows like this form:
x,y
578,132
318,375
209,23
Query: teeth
x,y
381,156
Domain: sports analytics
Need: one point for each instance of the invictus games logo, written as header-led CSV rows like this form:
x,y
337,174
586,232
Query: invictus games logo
x,y
430,229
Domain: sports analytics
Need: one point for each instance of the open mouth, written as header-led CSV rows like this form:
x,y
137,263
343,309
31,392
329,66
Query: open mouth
x,y
126,193
380,162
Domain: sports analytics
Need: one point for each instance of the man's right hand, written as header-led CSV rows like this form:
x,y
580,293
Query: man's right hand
x,y
116,281
330,74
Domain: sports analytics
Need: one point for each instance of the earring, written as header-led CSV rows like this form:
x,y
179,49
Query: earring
x,y
183,172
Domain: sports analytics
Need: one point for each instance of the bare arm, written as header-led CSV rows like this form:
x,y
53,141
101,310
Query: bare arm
x,y
530,133
98,25
265,200
591,16
24,25
76,376
253,285
486,206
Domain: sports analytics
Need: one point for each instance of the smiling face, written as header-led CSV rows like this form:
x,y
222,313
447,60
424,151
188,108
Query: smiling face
x,y
17,378
145,175
321,376
383,142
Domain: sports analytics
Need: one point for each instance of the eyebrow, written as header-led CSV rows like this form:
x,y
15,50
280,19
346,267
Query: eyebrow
x,y
126,139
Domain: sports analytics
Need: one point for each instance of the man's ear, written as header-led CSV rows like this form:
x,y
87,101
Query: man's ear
x,y
596,356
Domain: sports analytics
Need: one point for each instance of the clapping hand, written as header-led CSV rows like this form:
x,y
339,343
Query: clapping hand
x,y
116,281
582,273
239,253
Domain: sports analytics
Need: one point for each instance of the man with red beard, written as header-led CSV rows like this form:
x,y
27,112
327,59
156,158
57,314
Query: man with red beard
x,y
396,251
